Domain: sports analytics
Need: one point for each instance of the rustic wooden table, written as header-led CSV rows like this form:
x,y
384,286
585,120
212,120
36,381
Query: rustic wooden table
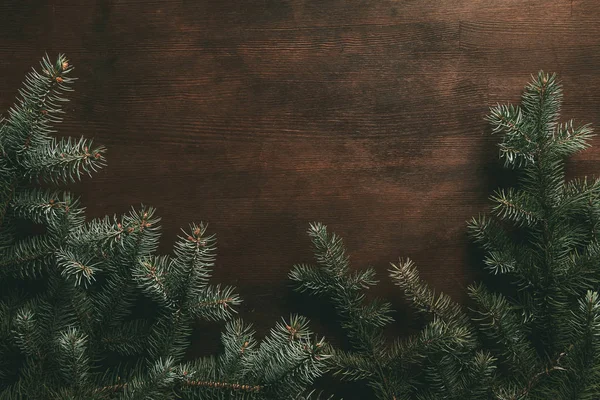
x,y
260,116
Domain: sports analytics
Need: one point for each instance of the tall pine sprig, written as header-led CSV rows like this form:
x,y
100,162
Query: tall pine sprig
x,y
542,234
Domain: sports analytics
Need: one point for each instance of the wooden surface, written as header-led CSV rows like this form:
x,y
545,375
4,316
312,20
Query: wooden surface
x,y
260,116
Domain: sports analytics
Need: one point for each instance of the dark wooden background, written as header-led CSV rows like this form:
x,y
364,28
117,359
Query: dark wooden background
x,y
260,116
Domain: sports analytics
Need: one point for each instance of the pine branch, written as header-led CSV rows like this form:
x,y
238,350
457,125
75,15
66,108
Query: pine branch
x,y
405,275
26,258
516,206
500,324
79,271
76,333
215,303
63,160
29,121
73,360
361,319
42,205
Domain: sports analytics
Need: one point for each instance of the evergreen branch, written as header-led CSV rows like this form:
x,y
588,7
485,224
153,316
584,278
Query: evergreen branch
x,y
140,233
311,396
26,258
151,274
533,381
29,121
582,364
127,338
154,385
329,250
499,323
581,198
99,235
8,187
363,320
517,206
499,262
75,270
73,360
311,279
42,205
405,275
517,147
26,332
238,341
344,289
63,160
502,254
443,380
541,101
194,257
70,339
351,367
215,303
137,237
115,299
169,335
479,379
111,388
288,357
568,140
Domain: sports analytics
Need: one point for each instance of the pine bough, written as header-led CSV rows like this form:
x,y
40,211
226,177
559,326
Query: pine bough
x,y
540,340
69,328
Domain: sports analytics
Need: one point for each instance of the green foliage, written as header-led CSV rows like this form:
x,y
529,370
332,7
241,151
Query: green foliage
x,y
439,362
289,359
70,296
537,341
542,236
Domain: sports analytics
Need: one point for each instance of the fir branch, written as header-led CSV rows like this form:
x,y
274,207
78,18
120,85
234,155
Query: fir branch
x,y
73,360
362,320
26,332
151,274
127,338
583,354
42,205
70,335
568,139
153,385
100,235
288,357
534,380
63,160
169,335
516,206
517,148
8,186
215,303
503,256
405,275
501,325
352,367
26,258
238,341
541,102
29,121
77,270
194,256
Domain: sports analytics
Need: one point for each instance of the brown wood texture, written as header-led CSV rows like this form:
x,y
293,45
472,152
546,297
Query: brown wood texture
x,y
260,116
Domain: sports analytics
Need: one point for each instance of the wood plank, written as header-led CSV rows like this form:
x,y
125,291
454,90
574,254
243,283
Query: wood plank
x,y
259,116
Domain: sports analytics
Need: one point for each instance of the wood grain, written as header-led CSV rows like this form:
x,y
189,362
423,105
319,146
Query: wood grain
x,y
260,116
